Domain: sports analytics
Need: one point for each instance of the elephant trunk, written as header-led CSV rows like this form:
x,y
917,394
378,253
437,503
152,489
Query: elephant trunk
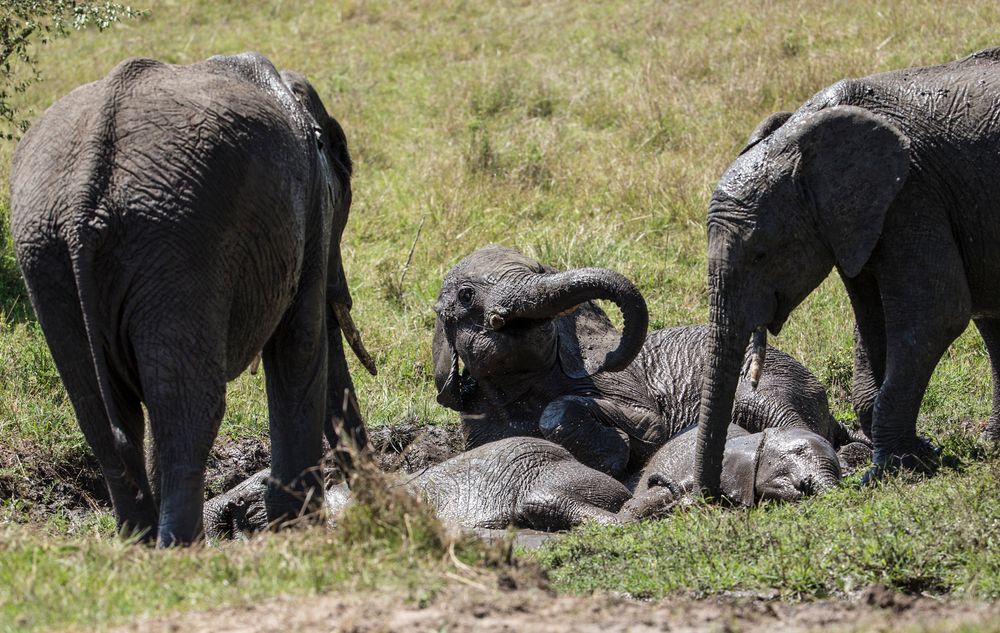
x,y
548,295
724,355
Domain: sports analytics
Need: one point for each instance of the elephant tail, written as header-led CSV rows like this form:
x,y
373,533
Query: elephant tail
x,y
89,229
111,389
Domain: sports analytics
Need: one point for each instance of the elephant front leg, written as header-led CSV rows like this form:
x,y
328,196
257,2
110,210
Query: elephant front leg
x,y
295,367
591,429
989,329
917,334
869,346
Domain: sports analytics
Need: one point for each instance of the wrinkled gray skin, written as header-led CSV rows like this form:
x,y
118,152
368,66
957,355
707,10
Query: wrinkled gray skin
x,y
520,481
170,223
530,377
892,179
779,464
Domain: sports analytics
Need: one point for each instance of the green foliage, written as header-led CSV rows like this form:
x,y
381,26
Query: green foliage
x,y
23,23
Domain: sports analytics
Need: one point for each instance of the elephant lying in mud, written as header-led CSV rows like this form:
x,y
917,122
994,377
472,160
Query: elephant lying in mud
x,y
520,349
774,464
892,180
519,481
529,482
171,222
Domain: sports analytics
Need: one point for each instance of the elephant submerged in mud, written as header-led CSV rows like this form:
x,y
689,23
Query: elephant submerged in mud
x,y
892,180
529,482
521,349
170,223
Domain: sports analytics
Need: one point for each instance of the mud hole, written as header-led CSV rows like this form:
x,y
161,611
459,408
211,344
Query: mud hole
x,y
474,605
72,486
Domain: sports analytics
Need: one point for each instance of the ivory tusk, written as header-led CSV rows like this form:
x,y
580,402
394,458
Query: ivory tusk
x,y
255,364
758,353
343,316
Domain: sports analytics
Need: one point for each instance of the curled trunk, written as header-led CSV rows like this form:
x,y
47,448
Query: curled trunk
x,y
548,295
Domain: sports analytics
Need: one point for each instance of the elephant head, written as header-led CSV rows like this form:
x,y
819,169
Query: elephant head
x,y
336,161
779,465
507,317
810,191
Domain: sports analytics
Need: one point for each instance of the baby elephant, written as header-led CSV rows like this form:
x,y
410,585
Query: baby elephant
x,y
522,349
520,481
779,464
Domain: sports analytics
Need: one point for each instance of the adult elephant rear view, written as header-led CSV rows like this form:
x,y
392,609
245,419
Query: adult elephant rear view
x,y
892,179
171,222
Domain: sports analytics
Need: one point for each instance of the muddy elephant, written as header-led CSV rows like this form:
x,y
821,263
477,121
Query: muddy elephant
x,y
522,482
776,464
170,223
890,179
521,349
529,482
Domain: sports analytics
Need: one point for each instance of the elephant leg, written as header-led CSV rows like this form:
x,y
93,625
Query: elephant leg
x,y
920,325
990,331
57,305
869,346
295,366
343,418
183,382
588,432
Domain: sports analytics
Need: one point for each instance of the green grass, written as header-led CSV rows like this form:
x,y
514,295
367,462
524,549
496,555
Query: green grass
x,y
583,134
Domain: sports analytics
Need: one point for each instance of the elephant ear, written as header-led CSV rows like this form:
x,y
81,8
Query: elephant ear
x,y
454,385
765,128
586,335
853,165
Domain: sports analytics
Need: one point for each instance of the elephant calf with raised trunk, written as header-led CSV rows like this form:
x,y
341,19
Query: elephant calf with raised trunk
x,y
521,349
171,222
892,179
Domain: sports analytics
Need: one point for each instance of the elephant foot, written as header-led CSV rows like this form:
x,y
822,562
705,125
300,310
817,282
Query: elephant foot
x,y
853,457
920,457
991,434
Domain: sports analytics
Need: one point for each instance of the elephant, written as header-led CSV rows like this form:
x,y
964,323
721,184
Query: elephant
x,y
170,223
890,179
520,349
778,464
530,482
523,482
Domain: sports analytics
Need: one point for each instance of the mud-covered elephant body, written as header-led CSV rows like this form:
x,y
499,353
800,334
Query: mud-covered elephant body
x,y
519,481
775,464
529,482
552,365
892,180
170,223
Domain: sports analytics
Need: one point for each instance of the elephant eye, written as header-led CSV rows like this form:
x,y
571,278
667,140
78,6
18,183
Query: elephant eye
x,y
466,296
759,257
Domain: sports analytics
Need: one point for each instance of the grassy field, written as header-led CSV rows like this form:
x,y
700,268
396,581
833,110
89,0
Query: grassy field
x,y
583,134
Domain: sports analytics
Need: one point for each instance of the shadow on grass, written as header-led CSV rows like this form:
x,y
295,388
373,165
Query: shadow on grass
x,y
15,306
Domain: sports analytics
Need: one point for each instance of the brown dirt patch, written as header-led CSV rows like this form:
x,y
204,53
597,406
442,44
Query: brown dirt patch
x,y
72,485
472,606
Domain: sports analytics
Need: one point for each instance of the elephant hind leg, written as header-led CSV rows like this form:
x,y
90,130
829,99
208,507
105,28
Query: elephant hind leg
x,y
989,329
53,293
182,370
